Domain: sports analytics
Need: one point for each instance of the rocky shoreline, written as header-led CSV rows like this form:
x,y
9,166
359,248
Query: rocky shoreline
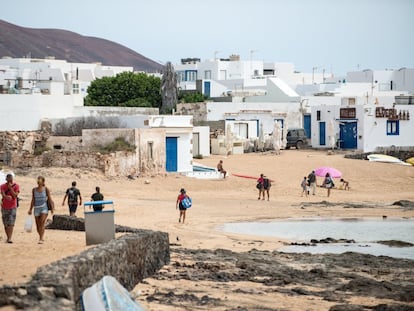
x,y
334,279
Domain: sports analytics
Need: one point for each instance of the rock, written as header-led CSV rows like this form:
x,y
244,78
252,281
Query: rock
x,y
404,203
347,307
393,307
147,182
396,243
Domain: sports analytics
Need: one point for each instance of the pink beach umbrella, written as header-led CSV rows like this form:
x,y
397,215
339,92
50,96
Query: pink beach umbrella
x,y
321,172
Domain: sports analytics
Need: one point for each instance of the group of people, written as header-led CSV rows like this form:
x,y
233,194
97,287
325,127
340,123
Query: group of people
x,y
40,205
308,184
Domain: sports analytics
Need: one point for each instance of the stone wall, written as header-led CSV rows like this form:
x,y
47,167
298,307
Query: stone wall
x,y
197,110
58,286
402,154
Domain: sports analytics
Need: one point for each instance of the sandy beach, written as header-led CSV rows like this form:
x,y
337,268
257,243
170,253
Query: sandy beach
x,y
215,202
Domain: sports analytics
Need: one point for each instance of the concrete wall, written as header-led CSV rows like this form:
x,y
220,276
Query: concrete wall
x,y
102,137
67,143
25,112
145,140
58,286
197,110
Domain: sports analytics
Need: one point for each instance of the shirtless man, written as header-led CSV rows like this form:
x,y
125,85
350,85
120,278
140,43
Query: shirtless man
x,y
221,169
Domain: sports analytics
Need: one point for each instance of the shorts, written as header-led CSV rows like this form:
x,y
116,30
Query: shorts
x,y
42,209
181,207
73,207
8,216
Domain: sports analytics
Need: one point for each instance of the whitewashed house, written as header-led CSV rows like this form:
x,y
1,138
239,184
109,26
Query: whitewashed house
x,y
178,141
383,123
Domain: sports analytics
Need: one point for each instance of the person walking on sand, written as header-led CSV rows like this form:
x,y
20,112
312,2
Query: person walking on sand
x,y
97,196
260,187
328,183
304,185
72,195
266,187
179,204
312,182
221,169
41,200
9,192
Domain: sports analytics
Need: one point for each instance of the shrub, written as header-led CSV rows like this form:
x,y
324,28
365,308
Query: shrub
x,y
119,144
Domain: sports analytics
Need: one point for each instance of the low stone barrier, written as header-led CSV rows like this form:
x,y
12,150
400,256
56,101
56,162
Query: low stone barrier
x,y
58,286
400,154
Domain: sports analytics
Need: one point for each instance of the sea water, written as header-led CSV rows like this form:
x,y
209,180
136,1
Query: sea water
x,y
365,233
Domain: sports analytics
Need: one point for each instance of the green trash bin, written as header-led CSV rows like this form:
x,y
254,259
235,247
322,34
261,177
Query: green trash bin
x,y
99,225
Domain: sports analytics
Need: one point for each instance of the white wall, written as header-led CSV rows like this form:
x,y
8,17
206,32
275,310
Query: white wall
x,y
375,130
264,112
25,112
204,140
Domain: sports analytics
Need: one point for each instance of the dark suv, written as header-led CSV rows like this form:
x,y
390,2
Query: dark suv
x,y
296,138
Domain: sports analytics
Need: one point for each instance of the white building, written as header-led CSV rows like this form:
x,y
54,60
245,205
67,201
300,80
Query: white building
x,y
364,126
32,90
233,76
179,144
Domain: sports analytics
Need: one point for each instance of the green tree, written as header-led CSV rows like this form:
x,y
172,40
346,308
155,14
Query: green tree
x,y
126,89
193,97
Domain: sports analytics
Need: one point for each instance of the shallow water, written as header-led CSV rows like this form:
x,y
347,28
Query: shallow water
x,y
364,231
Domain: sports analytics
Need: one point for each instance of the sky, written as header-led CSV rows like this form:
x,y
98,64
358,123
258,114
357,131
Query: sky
x,y
335,35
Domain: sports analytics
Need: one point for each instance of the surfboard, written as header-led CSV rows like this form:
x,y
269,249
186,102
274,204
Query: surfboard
x,y
108,295
410,161
385,159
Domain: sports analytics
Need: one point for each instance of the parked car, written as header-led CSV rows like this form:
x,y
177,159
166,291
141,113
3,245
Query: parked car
x,y
296,138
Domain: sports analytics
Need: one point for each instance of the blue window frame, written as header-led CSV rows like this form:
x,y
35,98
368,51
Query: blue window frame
x,y
393,127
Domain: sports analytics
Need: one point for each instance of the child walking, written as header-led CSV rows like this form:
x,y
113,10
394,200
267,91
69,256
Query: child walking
x,y
304,186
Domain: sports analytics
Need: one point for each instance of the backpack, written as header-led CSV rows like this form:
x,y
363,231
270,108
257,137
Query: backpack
x,y
187,202
72,197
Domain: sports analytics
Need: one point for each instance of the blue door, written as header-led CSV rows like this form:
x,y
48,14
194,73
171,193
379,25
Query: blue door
x,y
348,135
207,86
322,133
307,125
171,154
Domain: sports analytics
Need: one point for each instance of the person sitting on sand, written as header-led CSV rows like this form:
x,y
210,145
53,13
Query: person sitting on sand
x,y
345,184
40,200
97,196
179,204
328,183
305,187
221,169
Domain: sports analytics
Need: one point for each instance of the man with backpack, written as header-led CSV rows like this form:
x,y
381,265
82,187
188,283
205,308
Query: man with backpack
x,y
72,195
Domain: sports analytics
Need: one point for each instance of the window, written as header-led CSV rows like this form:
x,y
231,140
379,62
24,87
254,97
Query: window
x,y
181,76
191,75
351,101
318,115
75,88
347,113
207,74
393,127
150,150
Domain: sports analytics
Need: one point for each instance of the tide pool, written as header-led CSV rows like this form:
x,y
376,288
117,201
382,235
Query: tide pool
x,y
365,232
